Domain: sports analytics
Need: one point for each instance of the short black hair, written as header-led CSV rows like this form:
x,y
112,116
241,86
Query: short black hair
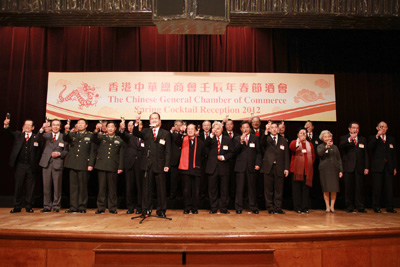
x,y
158,114
33,123
56,120
82,119
353,122
310,122
301,128
274,122
244,122
109,122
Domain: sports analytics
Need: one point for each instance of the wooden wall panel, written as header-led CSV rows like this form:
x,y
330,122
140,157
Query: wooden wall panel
x,y
298,257
69,257
32,257
349,256
385,256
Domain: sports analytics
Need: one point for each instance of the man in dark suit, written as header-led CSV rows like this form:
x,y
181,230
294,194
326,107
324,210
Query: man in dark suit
x,y
206,131
80,161
24,159
220,151
313,138
383,166
175,156
109,163
275,167
52,162
132,167
259,132
229,131
156,163
190,166
256,127
355,166
248,161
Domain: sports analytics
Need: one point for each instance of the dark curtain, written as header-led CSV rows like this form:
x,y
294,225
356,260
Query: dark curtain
x,y
365,64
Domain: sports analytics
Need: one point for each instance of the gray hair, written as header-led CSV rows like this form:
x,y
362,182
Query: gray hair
x,y
321,135
216,123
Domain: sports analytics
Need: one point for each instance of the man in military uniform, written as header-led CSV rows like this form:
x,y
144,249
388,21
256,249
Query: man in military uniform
x,y
80,161
109,163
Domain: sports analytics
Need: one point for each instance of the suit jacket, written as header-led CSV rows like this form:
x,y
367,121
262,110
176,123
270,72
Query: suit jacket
x,y
157,154
133,150
278,153
53,146
19,140
329,157
82,151
110,152
382,153
233,134
355,158
226,150
262,132
178,140
247,156
315,141
175,151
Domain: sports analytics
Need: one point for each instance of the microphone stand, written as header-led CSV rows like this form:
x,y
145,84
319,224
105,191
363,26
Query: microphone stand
x,y
145,214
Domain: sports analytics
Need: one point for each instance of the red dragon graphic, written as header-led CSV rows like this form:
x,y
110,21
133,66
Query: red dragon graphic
x,y
85,95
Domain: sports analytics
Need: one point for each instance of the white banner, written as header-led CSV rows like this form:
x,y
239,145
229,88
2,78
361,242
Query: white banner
x,y
191,95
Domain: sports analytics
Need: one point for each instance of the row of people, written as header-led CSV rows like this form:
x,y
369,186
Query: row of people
x,y
146,155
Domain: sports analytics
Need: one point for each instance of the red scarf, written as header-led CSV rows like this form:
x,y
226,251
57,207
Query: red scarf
x,y
184,162
300,164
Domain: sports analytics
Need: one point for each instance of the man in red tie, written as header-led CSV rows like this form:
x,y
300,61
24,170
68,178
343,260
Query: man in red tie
x,y
383,166
256,127
220,149
229,131
52,162
206,126
24,158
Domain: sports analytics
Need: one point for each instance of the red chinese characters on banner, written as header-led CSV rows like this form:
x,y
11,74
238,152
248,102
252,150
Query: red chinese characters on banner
x,y
244,87
282,88
270,88
230,87
205,87
256,88
192,87
178,87
139,86
113,87
126,87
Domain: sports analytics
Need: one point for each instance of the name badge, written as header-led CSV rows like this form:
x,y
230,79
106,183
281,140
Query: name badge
x,y
225,147
35,144
304,150
252,145
326,151
361,145
61,144
282,147
162,142
142,144
391,145
87,139
316,142
116,142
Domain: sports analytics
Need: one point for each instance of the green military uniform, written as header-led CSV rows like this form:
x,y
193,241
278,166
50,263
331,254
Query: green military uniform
x,y
81,155
109,159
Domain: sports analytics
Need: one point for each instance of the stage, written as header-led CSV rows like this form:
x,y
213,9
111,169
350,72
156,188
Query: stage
x,y
314,239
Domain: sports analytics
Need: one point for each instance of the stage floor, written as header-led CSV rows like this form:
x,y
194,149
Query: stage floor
x,y
317,221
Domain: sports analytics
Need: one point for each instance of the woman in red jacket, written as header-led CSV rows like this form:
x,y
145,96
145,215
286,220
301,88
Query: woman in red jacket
x,y
301,167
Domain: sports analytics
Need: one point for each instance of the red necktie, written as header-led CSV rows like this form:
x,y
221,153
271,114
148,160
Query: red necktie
x,y
154,134
27,137
247,140
230,135
383,139
355,142
257,133
207,134
219,145
54,137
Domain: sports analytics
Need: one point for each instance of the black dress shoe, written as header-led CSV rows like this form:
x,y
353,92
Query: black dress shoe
x,y
147,212
186,211
82,211
15,210
56,210
225,211
255,211
195,212
161,214
238,211
139,211
45,210
377,210
349,210
280,211
362,211
271,211
71,211
113,211
213,211
99,211
305,211
129,211
298,211
29,210
391,210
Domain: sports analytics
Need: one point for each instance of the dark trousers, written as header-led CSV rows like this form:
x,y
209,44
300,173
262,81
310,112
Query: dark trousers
x,y
273,189
300,192
203,182
174,174
354,190
219,180
191,189
51,177
250,178
147,192
107,180
134,179
78,195
260,186
24,175
382,179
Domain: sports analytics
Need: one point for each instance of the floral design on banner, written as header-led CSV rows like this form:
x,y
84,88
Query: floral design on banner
x,y
85,95
307,96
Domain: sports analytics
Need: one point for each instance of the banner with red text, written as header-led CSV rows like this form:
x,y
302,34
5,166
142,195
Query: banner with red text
x,y
191,95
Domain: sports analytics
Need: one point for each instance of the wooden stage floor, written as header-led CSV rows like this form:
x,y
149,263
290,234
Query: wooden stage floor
x,y
314,239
